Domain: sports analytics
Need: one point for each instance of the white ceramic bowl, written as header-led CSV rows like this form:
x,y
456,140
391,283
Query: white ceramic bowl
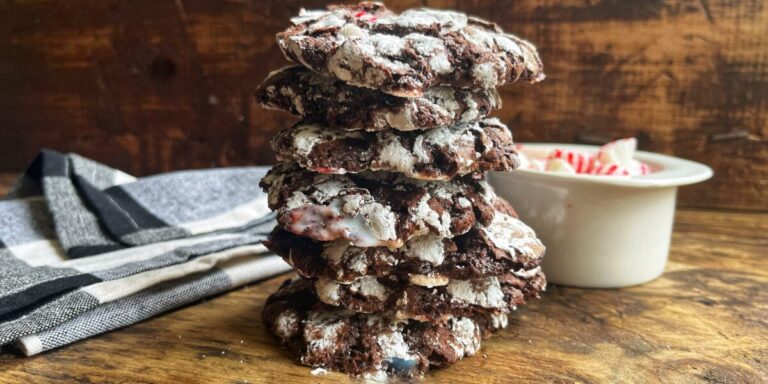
x,y
601,231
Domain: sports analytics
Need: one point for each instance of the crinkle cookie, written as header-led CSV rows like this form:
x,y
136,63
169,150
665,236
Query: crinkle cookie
x,y
374,345
375,208
436,154
332,102
366,45
439,300
505,245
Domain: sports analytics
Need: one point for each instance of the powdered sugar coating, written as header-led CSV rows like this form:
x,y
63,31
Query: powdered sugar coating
x,y
431,219
499,320
367,287
305,139
370,287
393,346
486,292
429,248
393,155
322,331
423,19
386,50
467,334
513,236
287,322
328,291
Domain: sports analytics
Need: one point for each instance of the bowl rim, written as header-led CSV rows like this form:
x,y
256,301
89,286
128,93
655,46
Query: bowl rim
x,y
674,170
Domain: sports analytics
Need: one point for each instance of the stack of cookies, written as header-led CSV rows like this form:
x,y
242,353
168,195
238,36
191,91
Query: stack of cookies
x,y
406,257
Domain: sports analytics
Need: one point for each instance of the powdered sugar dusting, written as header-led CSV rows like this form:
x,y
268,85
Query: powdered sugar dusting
x,y
318,371
395,155
513,236
402,119
287,324
369,286
433,48
527,274
322,330
467,334
484,292
485,75
351,31
427,218
429,248
445,97
499,320
328,291
426,17
308,15
392,345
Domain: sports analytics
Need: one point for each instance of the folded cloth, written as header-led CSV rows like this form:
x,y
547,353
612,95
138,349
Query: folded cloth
x,y
85,248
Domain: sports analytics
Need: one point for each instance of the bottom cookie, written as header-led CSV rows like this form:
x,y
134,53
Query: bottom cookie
x,y
369,344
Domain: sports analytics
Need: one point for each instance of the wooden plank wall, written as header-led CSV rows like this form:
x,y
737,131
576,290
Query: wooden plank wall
x,y
157,85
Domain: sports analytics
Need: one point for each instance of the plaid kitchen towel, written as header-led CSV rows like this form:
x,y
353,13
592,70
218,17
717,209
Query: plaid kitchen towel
x,y
85,248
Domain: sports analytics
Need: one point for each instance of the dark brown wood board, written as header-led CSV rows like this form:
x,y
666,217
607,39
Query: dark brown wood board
x,y
704,321
150,86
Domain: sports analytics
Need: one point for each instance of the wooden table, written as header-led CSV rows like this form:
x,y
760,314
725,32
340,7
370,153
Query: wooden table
x,y
704,320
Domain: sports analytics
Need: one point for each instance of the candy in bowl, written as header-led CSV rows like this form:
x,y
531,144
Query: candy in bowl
x,y
604,213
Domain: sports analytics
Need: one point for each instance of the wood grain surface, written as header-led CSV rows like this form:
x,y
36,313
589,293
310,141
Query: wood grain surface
x,y
157,85
704,321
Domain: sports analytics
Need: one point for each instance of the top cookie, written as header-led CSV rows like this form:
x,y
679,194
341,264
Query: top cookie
x,y
369,46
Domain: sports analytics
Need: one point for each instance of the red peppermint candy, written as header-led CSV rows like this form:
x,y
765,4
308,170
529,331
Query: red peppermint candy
x,y
328,170
635,168
610,170
644,169
581,162
363,15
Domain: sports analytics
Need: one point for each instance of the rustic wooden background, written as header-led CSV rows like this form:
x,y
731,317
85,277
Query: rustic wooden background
x,y
157,85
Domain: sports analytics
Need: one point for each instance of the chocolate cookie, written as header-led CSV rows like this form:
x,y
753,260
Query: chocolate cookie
x,y
507,244
436,154
377,345
333,103
376,208
368,46
447,298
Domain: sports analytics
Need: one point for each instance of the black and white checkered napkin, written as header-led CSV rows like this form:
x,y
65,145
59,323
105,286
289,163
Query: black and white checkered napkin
x,y
85,248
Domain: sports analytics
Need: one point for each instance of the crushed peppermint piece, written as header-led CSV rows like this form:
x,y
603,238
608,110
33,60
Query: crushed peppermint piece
x,y
613,159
